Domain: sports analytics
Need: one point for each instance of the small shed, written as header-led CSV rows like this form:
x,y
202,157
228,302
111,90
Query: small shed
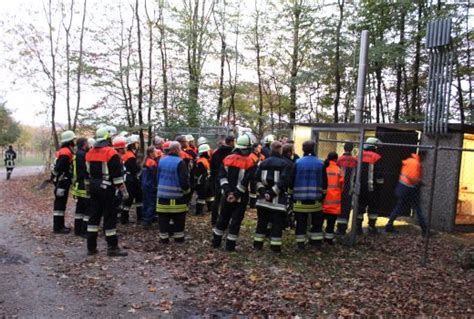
x,y
453,206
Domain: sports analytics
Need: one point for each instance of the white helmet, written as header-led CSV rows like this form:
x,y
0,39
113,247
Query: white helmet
x,y
204,148
112,130
67,136
123,133
132,139
245,140
269,139
189,138
91,142
202,140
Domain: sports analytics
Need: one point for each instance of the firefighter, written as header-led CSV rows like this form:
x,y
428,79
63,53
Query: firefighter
x,y
149,187
294,157
132,181
266,147
308,186
257,157
62,178
79,188
371,182
332,200
203,184
348,164
234,176
192,146
173,195
106,182
272,179
216,162
158,142
9,159
408,191
288,152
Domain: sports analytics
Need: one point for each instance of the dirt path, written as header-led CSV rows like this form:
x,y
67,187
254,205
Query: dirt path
x,y
47,276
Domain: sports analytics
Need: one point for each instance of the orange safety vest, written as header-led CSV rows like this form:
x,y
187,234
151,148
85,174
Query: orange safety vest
x,y
128,155
205,162
257,158
65,151
332,201
411,171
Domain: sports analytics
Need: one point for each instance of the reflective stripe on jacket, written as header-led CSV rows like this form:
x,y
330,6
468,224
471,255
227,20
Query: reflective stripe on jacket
x,y
332,201
411,171
79,175
371,173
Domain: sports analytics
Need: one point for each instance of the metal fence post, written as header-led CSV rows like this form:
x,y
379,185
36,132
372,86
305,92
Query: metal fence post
x,y
355,196
431,200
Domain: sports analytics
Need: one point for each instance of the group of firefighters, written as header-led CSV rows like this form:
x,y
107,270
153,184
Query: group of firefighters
x,y
107,180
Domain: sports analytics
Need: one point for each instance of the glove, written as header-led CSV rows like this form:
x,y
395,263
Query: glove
x,y
60,192
124,192
268,196
231,198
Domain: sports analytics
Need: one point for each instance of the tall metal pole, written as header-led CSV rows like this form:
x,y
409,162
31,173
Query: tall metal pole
x,y
355,196
360,95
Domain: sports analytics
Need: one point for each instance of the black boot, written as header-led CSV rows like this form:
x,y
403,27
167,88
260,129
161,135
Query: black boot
x,y
341,229
216,241
91,244
78,226
390,229
329,241
116,252
372,228
199,209
124,217
139,214
230,245
258,245
164,241
316,243
253,202
276,248
301,246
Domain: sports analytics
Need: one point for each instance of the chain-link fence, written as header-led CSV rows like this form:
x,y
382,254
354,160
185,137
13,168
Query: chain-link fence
x,y
214,134
404,177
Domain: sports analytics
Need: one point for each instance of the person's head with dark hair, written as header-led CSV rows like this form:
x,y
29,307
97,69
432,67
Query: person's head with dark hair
x,y
290,142
10,147
257,148
332,157
348,147
230,141
276,147
82,143
151,152
183,141
287,150
309,148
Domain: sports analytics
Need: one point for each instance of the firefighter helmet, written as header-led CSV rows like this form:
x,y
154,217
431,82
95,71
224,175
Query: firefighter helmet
x,y
189,138
112,130
269,139
102,134
245,141
91,142
202,140
371,143
132,139
204,148
119,142
67,136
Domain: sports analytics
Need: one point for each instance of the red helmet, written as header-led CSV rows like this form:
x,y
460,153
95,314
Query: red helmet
x,y
119,142
166,145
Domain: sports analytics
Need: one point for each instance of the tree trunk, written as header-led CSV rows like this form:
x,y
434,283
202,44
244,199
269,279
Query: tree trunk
x,y
259,74
400,63
80,66
294,60
121,71
67,29
378,96
222,20
415,91
127,77
150,74
460,98
338,61
52,53
140,77
164,62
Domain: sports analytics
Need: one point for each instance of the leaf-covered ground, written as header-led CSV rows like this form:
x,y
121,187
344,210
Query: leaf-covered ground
x,y
381,276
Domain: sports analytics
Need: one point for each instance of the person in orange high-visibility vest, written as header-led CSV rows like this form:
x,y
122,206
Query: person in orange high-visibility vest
x,y
408,191
332,201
